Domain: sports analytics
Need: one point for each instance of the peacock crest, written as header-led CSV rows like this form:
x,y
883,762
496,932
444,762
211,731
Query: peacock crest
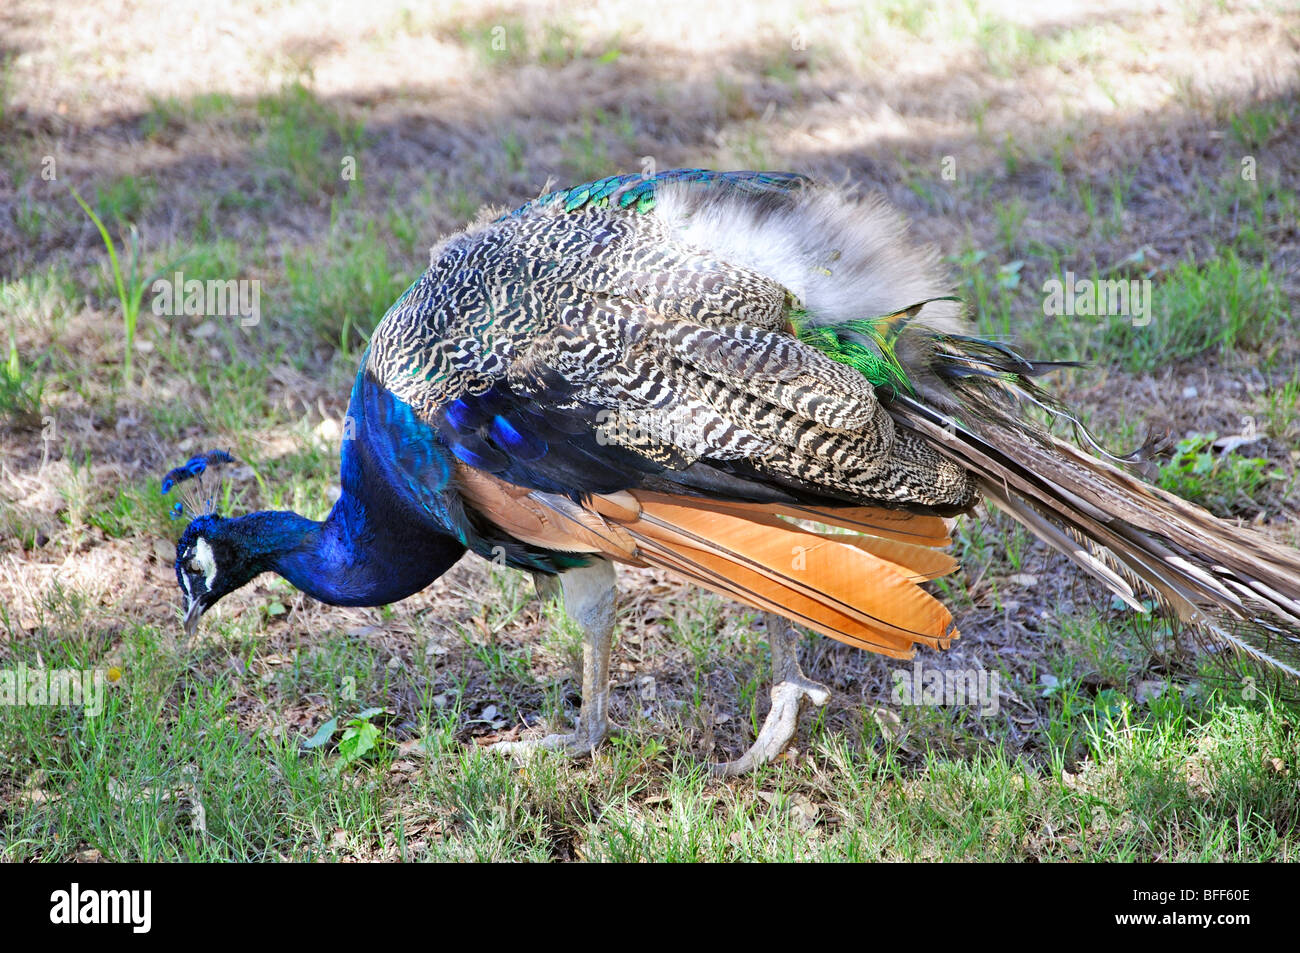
x,y
199,482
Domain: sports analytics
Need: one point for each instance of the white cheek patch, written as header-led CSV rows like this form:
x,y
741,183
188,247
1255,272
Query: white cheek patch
x,y
207,561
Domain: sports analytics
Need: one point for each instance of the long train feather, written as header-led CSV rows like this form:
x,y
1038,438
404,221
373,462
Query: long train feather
x,y
1231,583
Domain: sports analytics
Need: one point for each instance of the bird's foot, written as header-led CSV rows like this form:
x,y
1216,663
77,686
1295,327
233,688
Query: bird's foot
x,y
779,728
589,600
575,744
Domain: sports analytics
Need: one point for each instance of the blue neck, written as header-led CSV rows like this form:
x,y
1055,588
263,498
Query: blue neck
x,y
388,535
344,560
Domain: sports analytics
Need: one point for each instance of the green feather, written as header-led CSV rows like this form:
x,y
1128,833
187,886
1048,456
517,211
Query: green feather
x,y
637,192
865,344
859,345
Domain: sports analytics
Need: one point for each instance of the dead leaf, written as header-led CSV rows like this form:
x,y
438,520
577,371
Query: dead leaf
x,y
803,812
415,748
1148,690
34,788
511,734
891,726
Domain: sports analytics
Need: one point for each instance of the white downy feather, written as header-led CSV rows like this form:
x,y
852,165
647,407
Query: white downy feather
x,y
843,258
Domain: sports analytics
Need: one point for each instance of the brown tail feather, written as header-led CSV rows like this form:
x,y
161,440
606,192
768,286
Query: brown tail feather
x,y
720,575
1228,581
859,589
916,563
851,580
900,525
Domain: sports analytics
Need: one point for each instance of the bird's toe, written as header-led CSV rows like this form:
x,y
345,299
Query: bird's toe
x,y
779,727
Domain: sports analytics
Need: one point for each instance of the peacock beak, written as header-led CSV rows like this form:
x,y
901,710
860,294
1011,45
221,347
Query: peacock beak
x,y
193,612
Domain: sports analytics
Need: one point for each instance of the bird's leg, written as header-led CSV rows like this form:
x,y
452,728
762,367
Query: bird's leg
x,y
588,593
790,686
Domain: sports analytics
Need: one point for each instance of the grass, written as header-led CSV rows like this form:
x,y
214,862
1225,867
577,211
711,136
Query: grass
x,y
498,44
589,151
124,200
1226,483
341,290
170,115
306,140
130,288
171,770
21,387
1282,413
1225,303
1253,128
1113,739
509,42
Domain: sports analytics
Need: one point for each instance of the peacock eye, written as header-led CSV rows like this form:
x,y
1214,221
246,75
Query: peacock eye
x,y
193,568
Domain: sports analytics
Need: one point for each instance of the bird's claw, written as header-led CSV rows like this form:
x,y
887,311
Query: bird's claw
x,y
576,744
780,725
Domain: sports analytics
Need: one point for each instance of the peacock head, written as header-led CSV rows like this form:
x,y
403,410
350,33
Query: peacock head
x,y
214,556
213,559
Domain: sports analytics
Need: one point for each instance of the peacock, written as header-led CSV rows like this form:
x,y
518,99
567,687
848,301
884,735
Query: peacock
x,y
753,380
